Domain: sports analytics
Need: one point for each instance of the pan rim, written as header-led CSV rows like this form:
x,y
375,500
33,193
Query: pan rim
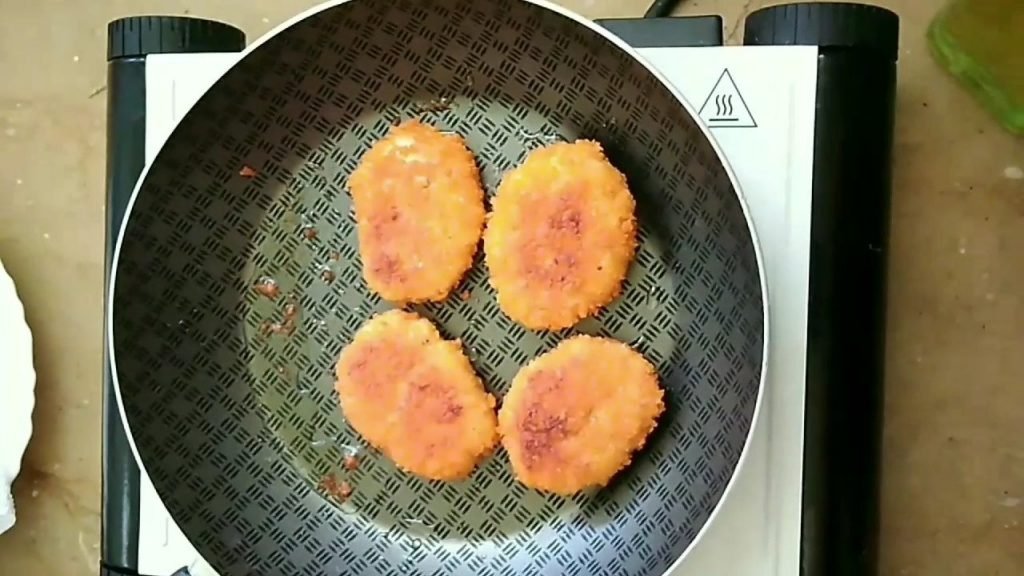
x,y
629,51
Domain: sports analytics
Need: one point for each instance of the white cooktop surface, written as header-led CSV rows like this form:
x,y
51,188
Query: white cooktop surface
x,y
759,103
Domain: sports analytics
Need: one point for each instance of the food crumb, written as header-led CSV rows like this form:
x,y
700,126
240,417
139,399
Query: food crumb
x,y
465,295
436,105
335,256
267,287
340,491
287,324
309,233
351,462
247,172
328,275
291,312
345,490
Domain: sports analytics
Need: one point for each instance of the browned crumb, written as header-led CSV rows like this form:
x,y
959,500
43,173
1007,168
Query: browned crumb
x,y
291,313
268,288
287,324
309,233
247,172
340,491
345,490
328,275
351,462
268,328
465,295
436,105
335,256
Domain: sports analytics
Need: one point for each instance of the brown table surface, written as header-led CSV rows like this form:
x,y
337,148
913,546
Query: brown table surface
x,y
953,479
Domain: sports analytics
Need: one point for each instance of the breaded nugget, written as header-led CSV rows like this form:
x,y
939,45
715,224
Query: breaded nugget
x,y
419,208
415,397
574,416
561,236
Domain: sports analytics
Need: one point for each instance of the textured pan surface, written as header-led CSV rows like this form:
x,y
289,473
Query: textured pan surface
x,y
236,428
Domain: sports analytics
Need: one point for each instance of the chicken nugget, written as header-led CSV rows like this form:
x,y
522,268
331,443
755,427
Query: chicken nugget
x,y
415,397
419,208
561,236
574,416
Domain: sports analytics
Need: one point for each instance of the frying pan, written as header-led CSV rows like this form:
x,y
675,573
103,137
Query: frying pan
x,y
238,429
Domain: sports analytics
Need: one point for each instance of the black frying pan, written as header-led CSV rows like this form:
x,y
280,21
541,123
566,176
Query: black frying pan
x,y
237,429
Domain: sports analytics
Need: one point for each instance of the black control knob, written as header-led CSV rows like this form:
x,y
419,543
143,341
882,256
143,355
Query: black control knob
x,y
828,25
141,35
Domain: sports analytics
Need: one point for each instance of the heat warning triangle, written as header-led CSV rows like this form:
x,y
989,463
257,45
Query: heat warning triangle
x,y
725,107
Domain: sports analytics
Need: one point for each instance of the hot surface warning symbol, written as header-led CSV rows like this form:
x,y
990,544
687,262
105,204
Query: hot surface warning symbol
x,y
725,107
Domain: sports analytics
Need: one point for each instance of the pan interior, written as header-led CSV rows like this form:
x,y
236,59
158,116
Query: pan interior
x,y
237,429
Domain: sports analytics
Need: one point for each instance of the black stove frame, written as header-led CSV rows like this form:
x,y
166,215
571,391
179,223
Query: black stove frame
x,y
849,245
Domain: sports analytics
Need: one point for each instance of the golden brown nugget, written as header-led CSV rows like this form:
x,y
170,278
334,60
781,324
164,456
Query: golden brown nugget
x,y
415,397
574,416
561,236
419,208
